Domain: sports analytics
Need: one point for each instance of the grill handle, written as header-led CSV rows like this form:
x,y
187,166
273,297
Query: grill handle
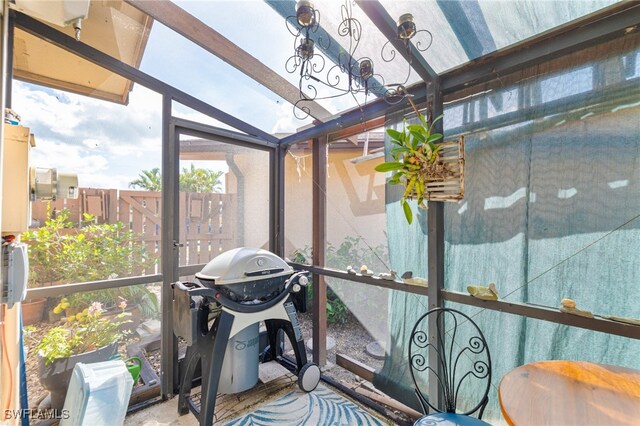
x,y
264,272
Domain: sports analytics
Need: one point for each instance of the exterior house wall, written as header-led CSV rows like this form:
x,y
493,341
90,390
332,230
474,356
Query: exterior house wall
x,y
355,199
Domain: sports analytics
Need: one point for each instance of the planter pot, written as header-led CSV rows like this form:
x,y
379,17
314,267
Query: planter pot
x,y
33,311
55,377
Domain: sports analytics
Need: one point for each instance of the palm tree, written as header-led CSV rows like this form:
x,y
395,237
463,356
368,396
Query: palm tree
x,y
149,180
191,180
200,180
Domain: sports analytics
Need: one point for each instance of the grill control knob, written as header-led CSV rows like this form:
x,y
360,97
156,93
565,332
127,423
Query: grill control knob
x,y
303,280
296,288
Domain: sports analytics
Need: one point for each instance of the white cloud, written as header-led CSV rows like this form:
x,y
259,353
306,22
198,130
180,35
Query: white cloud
x,y
106,144
51,154
286,121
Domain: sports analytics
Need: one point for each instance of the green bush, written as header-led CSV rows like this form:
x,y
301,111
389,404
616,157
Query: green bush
x,y
60,254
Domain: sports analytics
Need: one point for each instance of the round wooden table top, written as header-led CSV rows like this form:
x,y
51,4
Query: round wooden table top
x,y
570,393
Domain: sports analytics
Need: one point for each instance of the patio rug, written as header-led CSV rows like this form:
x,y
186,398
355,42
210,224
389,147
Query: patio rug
x,y
320,407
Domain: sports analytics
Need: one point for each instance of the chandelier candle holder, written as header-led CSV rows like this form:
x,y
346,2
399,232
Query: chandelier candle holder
x,y
407,33
352,74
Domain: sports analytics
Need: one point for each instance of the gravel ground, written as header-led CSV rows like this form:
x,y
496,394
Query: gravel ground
x,y
351,339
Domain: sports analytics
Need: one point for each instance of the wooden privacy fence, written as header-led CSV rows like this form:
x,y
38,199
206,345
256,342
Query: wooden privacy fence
x,y
208,222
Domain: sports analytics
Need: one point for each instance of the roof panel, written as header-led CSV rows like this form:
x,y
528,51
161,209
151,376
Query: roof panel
x,y
271,43
464,30
513,21
445,51
177,61
113,27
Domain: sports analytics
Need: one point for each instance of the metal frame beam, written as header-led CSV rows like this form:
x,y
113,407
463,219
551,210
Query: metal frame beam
x,y
609,23
318,245
84,51
375,281
66,289
546,314
193,29
387,26
375,109
206,131
278,201
435,260
527,310
170,234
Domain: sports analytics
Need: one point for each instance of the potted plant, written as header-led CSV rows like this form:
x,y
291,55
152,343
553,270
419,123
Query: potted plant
x,y
427,169
33,310
85,337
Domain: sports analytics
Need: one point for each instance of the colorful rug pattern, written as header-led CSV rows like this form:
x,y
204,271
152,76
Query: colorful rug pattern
x,y
321,407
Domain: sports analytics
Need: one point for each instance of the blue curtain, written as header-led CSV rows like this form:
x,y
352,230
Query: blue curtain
x,y
551,210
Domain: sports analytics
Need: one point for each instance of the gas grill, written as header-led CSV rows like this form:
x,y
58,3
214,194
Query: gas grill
x,y
219,316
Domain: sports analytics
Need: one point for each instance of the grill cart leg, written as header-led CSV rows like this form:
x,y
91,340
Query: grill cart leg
x,y
274,347
209,349
191,359
308,373
212,366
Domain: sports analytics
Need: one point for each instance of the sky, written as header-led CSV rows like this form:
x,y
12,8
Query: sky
x,y
108,144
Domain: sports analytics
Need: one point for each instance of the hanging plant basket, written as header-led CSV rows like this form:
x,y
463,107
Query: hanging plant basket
x,y
428,170
444,179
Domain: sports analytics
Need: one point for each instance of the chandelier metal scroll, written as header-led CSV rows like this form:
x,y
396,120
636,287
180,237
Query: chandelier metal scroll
x,y
352,74
407,33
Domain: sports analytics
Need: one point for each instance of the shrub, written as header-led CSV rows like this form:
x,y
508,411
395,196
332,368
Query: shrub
x,y
60,254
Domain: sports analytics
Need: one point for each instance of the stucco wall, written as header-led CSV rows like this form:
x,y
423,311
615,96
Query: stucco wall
x,y
355,199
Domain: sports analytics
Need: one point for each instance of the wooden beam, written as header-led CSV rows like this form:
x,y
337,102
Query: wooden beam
x,y
319,243
357,129
356,367
193,29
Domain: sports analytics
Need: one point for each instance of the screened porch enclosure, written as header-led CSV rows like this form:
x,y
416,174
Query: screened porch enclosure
x,y
545,94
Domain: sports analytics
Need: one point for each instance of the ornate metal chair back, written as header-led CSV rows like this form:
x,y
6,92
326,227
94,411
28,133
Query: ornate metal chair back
x,y
461,356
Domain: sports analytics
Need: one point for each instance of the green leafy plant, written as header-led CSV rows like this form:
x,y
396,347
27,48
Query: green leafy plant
x,y
415,161
59,254
135,295
79,335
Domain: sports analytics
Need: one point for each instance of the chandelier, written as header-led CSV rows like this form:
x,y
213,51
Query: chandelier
x,y
351,74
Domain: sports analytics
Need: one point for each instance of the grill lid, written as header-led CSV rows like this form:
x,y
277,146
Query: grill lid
x,y
244,264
